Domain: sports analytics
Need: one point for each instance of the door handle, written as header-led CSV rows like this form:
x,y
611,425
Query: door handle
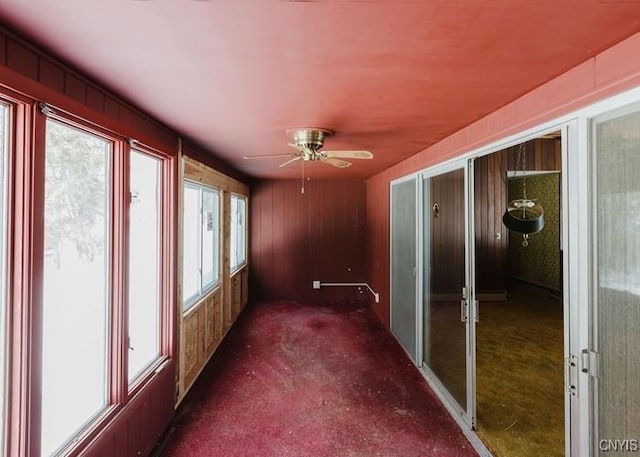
x,y
464,311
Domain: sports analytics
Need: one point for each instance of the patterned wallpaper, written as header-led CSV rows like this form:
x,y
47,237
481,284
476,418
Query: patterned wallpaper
x,y
539,263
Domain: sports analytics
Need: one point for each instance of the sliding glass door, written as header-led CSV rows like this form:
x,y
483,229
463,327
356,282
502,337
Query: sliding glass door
x,y
445,284
613,360
403,264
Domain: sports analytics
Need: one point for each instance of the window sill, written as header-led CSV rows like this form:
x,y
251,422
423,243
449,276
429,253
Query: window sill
x,y
201,299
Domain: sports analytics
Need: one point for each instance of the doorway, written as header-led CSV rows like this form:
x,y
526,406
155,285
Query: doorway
x,y
519,287
446,332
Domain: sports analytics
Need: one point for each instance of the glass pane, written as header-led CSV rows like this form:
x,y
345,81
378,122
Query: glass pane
x,y
233,242
191,243
4,115
209,237
403,264
144,263
242,216
618,281
76,241
445,337
238,242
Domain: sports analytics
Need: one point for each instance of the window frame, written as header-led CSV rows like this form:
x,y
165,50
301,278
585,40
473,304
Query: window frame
x,y
202,289
119,391
165,234
115,283
235,267
16,125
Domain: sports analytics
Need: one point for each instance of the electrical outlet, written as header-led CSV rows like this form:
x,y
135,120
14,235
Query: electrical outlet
x,y
316,284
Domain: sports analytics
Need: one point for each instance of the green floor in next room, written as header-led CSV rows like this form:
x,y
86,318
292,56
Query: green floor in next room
x,y
520,382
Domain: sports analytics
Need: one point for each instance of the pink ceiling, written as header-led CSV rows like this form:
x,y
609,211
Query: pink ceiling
x,y
392,77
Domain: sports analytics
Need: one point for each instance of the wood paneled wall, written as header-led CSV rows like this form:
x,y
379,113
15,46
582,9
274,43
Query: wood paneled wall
x,y
139,426
205,324
447,248
298,238
378,247
491,236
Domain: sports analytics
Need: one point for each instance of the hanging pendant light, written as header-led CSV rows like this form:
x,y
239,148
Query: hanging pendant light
x,y
523,215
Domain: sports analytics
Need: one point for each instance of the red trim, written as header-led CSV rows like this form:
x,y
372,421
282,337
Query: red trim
x,y
118,236
17,317
26,295
169,322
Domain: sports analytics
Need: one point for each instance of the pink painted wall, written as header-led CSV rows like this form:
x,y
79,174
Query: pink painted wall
x,y
610,72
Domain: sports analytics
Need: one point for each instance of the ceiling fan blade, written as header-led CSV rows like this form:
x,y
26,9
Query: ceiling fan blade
x,y
349,154
266,156
336,162
290,161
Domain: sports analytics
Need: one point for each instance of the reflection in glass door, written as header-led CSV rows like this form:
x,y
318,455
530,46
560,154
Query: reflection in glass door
x,y
445,308
616,295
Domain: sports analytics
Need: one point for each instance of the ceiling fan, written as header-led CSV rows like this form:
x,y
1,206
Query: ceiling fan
x,y
308,142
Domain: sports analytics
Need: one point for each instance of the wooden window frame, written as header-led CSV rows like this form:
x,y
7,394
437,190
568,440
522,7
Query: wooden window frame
x,y
235,268
203,290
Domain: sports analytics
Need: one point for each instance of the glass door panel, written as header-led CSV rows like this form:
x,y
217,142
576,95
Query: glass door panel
x,y
445,310
616,252
403,265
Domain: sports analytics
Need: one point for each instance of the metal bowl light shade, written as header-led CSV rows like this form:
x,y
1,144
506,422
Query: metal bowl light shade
x,y
524,216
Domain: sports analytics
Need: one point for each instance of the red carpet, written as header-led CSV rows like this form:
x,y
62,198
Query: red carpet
x,y
300,380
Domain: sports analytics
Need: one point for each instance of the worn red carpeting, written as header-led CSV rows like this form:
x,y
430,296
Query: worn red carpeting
x,y
295,379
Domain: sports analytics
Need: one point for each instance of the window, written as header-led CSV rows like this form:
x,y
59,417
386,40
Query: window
x,y
76,282
200,241
238,231
144,263
4,117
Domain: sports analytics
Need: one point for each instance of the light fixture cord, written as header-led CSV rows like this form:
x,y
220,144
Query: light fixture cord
x,y
302,184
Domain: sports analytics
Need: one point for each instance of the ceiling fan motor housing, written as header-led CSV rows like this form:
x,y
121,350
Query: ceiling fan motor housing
x,y
309,140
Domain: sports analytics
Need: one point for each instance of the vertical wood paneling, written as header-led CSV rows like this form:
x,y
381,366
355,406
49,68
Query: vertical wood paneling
x,y
111,107
140,425
209,328
236,295
51,75
245,288
447,232
218,318
490,233
75,88
192,340
3,50
22,59
95,98
377,213
318,235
